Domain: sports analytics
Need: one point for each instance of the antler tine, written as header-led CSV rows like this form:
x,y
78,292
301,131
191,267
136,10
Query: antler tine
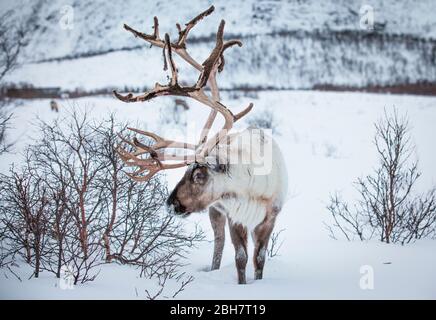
x,y
138,178
243,112
156,28
183,34
208,71
209,74
152,171
152,135
159,90
215,91
211,61
151,165
163,143
155,162
173,88
153,39
170,58
227,45
136,144
214,63
131,159
180,46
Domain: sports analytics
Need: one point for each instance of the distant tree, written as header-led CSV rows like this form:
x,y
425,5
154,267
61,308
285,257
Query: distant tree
x,y
4,123
11,43
388,208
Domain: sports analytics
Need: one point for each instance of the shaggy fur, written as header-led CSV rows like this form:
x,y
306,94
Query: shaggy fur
x,y
242,194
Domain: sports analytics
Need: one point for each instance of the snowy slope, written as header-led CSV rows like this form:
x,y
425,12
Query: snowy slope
x,y
97,24
293,44
270,62
327,141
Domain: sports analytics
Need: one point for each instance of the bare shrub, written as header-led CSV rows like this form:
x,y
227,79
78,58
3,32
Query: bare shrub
x,y
388,208
136,229
73,206
24,207
5,118
275,244
180,279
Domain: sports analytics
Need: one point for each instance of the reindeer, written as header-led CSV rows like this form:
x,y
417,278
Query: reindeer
x,y
54,106
230,189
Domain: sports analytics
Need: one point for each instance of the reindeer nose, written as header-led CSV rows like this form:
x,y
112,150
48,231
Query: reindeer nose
x,y
178,207
172,201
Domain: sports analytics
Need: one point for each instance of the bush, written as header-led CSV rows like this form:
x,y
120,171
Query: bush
x,y
72,206
387,208
176,116
4,123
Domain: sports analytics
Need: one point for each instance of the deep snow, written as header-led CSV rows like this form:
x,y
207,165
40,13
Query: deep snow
x,y
327,141
286,44
96,26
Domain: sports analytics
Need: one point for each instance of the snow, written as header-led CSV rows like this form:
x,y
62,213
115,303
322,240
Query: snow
x,y
327,141
96,25
293,44
287,62
326,137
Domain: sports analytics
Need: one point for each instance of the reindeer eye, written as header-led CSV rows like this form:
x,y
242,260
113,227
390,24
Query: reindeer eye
x,y
199,176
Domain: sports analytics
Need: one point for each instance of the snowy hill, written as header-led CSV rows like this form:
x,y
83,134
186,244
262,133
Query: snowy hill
x,y
293,44
326,139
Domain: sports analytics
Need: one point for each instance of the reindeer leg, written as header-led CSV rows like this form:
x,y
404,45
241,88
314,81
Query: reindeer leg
x,y
261,235
238,233
218,221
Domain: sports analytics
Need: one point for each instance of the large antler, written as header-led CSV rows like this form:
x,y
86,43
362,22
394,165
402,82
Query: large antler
x,y
208,71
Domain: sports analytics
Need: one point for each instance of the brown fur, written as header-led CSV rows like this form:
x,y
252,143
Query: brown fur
x,y
191,195
238,233
218,221
261,235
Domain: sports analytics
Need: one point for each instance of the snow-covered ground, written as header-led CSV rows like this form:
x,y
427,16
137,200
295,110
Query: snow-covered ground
x,y
327,141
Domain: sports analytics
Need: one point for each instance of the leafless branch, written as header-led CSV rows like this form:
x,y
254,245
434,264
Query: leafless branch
x,y
387,207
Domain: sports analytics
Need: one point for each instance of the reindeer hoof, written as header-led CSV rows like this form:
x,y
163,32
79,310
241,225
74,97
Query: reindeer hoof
x,y
215,266
242,279
258,274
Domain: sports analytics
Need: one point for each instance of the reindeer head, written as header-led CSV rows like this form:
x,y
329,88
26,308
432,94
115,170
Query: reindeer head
x,y
201,184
